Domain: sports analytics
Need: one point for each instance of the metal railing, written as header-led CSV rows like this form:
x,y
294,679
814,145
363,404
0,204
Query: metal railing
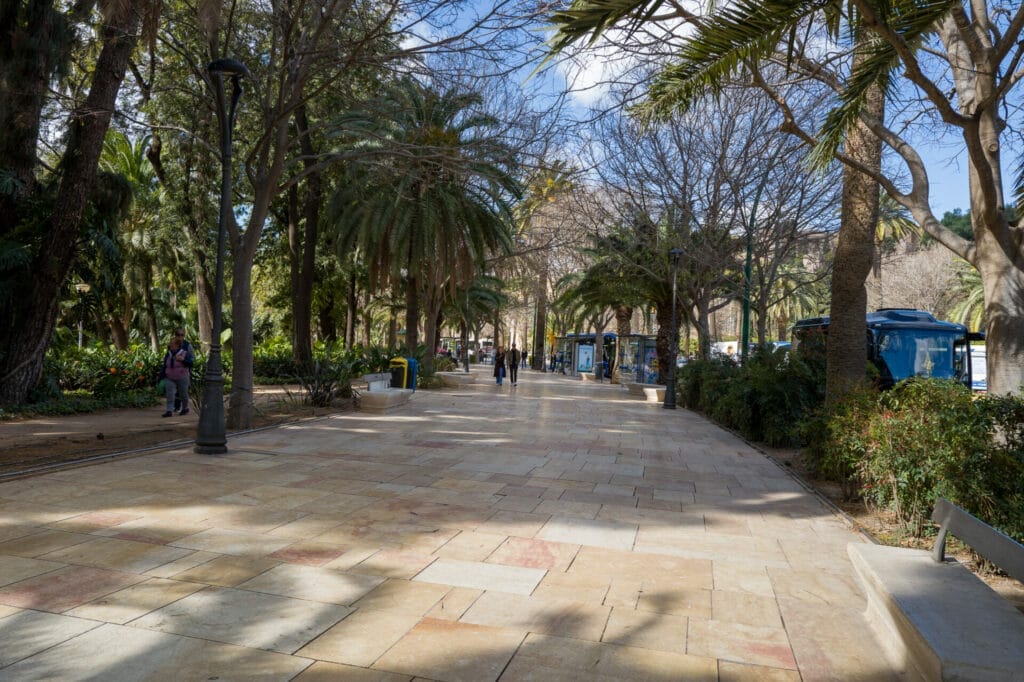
x,y
1000,549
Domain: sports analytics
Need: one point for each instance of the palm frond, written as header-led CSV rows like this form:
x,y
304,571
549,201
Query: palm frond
x,y
877,65
748,31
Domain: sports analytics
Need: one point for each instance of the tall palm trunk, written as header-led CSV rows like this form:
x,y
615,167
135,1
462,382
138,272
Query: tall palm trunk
x,y
847,334
305,256
412,314
540,331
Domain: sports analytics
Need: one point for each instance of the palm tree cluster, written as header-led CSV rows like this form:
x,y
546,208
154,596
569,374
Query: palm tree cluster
x,y
387,168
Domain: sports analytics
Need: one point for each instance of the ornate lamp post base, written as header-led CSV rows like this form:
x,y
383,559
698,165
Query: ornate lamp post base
x,y
211,437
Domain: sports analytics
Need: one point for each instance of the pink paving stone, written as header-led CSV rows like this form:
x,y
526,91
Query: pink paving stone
x,y
66,588
529,553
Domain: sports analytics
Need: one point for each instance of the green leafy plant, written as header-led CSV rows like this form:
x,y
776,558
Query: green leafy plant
x,y
445,365
929,438
377,359
328,380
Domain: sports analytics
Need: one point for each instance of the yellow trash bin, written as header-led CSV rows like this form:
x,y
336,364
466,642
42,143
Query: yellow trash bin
x,y
399,373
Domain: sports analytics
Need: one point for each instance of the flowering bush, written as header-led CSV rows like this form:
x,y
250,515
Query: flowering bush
x,y
105,372
926,439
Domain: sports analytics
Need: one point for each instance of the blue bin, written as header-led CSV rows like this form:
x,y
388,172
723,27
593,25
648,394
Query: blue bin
x,y
414,367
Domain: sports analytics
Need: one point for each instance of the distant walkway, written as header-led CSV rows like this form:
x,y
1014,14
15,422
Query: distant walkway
x,y
553,531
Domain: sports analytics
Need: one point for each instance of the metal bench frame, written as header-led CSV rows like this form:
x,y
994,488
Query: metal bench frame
x,y
1000,549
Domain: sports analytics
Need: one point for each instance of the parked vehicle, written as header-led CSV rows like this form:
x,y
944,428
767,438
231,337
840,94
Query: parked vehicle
x,y
902,343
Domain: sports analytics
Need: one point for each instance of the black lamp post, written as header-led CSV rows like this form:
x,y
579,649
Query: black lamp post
x,y
670,387
211,437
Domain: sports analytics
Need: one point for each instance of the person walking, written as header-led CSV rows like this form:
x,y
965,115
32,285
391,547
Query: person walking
x,y
187,347
177,365
513,364
499,364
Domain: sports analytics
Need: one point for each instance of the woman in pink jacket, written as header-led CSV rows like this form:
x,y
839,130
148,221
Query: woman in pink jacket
x,y
177,364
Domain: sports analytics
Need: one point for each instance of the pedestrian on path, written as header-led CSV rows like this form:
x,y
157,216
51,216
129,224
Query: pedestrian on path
x,y
177,365
187,347
499,364
513,364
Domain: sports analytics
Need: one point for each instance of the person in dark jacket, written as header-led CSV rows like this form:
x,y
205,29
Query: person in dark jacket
x,y
513,364
177,366
499,364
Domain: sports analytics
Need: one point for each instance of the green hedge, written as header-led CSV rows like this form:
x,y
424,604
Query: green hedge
x,y
927,438
900,449
765,399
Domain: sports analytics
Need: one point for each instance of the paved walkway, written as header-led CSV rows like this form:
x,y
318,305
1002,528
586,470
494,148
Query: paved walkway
x,y
558,530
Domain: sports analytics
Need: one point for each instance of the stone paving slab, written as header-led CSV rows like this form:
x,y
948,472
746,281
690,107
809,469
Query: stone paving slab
x,y
552,531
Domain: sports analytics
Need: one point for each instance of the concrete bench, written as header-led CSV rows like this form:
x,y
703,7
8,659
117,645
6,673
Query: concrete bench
x,y
937,619
652,393
379,396
456,379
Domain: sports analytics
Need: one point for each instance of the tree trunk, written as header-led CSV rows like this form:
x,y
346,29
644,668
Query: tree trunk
x,y
325,319
204,306
847,332
412,314
623,328
24,84
350,318
295,269
26,344
540,331
240,408
119,332
663,342
147,299
430,328
1002,276
302,294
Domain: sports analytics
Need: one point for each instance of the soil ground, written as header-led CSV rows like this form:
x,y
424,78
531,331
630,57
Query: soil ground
x,y
40,441
29,443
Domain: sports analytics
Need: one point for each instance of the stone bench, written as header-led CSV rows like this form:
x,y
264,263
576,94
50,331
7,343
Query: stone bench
x,y
379,396
456,379
652,393
938,620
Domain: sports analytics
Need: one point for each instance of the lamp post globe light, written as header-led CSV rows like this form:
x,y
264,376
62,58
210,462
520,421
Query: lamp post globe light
x,y
670,386
211,436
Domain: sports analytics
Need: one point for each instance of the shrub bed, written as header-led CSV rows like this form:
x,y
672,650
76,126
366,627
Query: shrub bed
x,y
898,450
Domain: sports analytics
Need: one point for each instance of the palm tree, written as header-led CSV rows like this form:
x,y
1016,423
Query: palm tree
x,y
534,228
143,245
971,308
895,223
434,202
734,39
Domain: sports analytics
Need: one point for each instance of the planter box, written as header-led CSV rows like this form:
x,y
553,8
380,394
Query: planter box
x,y
379,401
652,393
456,379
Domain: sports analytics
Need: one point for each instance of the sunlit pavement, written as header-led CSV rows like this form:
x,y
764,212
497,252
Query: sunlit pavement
x,y
551,531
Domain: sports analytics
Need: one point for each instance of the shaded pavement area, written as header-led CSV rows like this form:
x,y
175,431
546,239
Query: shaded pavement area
x,y
557,530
